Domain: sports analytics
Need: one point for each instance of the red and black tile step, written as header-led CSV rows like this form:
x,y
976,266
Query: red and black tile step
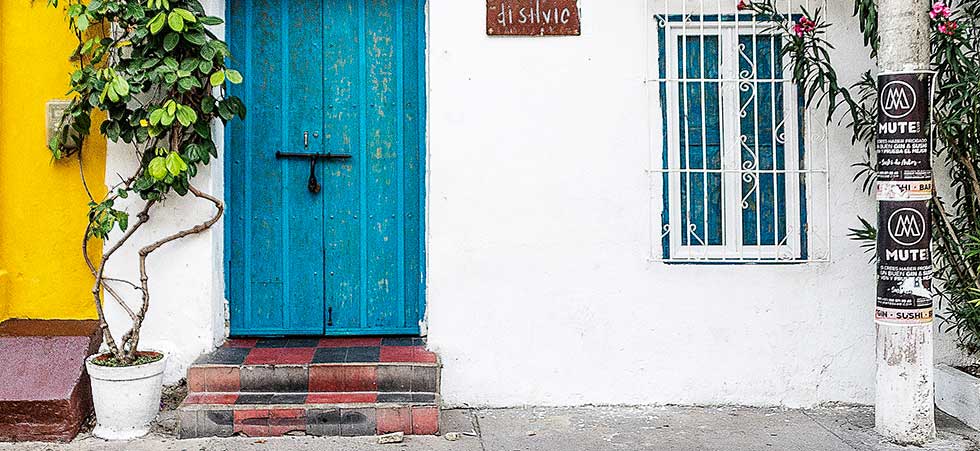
x,y
329,386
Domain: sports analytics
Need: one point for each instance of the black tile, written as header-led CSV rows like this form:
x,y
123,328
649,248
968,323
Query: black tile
x,y
424,397
330,355
272,343
323,422
289,398
394,397
254,398
224,356
323,416
394,378
275,379
399,341
302,342
425,379
366,354
358,422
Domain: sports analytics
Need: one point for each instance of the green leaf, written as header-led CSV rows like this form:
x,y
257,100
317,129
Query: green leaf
x,y
196,38
157,22
185,14
156,116
82,22
87,46
143,183
123,219
157,168
186,115
170,41
233,76
217,78
175,164
121,86
211,20
208,51
175,22
168,118
171,63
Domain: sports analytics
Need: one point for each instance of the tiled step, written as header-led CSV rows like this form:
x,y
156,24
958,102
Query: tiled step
x,y
315,378
346,386
268,420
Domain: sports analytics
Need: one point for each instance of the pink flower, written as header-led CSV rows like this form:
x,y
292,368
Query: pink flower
x,y
743,5
804,25
939,10
948,27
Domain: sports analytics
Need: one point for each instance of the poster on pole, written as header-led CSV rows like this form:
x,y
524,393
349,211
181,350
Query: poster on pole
x,y
904,145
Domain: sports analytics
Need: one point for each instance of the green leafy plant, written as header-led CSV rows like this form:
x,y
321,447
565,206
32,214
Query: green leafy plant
x,y
156,76
956,59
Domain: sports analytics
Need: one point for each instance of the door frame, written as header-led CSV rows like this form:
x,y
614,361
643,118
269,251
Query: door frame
x,y
224,142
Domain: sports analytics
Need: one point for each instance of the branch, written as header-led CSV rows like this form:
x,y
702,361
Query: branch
x,y
133,335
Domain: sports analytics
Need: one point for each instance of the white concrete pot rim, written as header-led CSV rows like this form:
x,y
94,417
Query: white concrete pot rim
x,y
126,373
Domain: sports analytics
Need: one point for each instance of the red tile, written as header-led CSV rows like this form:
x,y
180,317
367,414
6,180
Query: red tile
x,y
425,420
342,398
397,353
282,422
223,379
395,420
212,398
423,356
279,356
240,343
342,378
195,379
280,414
349,342
256,416
253,423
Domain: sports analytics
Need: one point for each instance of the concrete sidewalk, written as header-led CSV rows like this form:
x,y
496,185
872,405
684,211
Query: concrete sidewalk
x,y
593,429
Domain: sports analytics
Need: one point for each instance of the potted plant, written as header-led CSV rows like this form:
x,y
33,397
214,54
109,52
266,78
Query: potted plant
x,y
153,76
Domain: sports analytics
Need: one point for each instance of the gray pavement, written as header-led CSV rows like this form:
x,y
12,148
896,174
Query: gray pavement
x,y
590,429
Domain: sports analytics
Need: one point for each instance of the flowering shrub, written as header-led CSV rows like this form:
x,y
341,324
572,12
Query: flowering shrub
x,y
956,60
804,25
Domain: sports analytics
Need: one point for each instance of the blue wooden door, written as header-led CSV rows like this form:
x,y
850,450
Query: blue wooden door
x,y
338,77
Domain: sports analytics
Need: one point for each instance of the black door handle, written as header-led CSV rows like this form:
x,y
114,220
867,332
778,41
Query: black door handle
x,y
313,184
315,156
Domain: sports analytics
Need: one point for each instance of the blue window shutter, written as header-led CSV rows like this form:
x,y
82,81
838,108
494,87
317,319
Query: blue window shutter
x,y
762,128
700,142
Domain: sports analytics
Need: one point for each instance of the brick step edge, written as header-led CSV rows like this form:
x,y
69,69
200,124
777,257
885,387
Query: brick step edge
x,y
198,421
315,378
305,398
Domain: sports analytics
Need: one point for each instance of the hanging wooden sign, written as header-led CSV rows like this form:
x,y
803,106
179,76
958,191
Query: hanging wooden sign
x,y
533,18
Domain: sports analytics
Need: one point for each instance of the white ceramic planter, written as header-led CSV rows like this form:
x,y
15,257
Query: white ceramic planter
x,y
126,399
958,394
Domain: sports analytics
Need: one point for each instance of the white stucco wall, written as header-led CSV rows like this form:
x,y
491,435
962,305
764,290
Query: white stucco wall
x,y
540,289
540,286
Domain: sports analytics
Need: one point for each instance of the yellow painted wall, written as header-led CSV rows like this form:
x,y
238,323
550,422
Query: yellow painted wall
x,y
42,203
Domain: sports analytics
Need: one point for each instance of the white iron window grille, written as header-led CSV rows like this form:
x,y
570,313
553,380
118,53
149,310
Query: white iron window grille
x,y
743,170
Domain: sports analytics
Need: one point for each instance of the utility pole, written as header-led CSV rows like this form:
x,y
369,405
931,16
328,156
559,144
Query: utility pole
x,y
904,395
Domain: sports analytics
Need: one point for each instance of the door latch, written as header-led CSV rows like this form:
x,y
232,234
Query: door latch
x,y
313,185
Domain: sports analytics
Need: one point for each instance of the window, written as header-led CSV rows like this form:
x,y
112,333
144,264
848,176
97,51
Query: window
x,y
735,164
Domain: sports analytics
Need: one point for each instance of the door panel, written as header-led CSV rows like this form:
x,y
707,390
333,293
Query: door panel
x,y
346,260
